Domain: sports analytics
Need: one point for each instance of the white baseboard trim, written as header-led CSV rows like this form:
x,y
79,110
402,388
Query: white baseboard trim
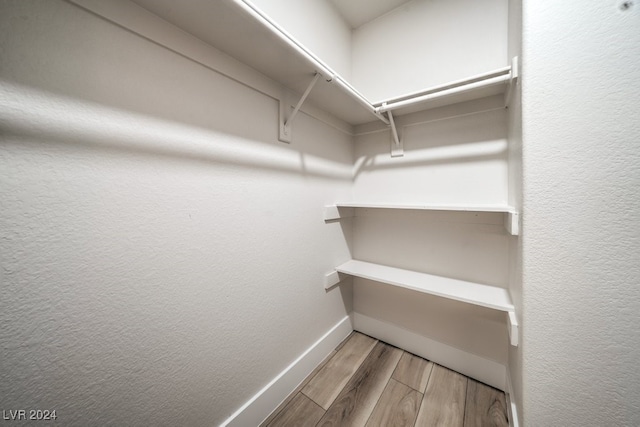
x,y
471,365
512,407
260,406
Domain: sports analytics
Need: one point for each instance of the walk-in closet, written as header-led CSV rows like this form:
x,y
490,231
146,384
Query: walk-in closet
x,y
319,212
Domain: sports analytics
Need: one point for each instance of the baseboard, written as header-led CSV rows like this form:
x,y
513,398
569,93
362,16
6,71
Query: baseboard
x,y
260,406
471,365
512,406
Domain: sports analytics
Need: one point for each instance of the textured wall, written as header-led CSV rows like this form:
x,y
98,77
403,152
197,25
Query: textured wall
x,y
161,253
426,43
581,238
453,155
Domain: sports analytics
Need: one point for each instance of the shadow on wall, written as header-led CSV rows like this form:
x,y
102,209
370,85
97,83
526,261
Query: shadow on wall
x,y
468,138
51,117
86,65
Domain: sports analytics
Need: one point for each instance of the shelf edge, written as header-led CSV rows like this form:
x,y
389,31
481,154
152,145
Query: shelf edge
x,y
458,208
505,307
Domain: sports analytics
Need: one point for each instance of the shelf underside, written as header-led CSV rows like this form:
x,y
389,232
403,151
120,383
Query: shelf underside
x,y
459,290
432,207
227,27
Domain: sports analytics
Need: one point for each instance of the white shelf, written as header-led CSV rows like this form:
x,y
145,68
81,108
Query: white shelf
x,y
459,290
430,207
234,28
241,31
346,209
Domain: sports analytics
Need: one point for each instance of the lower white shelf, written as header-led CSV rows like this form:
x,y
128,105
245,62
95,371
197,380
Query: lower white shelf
x,y
472,293
459,290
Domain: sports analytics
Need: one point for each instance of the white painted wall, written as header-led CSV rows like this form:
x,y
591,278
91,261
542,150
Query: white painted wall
x,y
428,42
447,160
318,25
359,12
162,253
581,160
452,155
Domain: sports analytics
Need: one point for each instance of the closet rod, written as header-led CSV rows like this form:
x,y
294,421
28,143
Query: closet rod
x,y
450,89
322,68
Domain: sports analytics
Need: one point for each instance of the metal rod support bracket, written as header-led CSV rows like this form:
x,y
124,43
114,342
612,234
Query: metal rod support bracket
x,y
513,79
512,324
287,120
397,148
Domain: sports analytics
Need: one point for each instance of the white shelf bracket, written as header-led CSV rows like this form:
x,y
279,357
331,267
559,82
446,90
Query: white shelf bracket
x,y
332,279
286,122
512,323
397,147
513,78
512,223
332,213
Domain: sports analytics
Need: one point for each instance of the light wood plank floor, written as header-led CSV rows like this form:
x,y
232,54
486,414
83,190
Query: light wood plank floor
x,y
366,382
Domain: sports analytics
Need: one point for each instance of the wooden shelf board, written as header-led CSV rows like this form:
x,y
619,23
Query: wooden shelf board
x,y
459,290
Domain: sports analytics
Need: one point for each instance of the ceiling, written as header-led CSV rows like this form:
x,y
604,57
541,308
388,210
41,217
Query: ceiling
x,y
359,12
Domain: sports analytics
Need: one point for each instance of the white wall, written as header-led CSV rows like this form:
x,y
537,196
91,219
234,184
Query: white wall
x,y
447,160
162,253
318,25
453,155
426,43
581,160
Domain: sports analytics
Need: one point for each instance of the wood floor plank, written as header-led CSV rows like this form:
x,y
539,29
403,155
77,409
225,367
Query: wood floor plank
x,y
326,385
413,371
346,340
444,400
485,406
397,407
354,404
313,373
300,411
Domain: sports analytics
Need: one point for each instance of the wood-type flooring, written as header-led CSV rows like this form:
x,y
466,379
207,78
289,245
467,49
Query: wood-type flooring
x,y
366,382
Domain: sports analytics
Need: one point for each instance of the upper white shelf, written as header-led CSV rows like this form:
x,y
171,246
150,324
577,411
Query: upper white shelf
x,y
432,207
240,30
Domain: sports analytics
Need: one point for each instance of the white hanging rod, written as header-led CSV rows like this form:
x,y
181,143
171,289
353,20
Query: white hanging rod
x,y
321,67
466,80
500,76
